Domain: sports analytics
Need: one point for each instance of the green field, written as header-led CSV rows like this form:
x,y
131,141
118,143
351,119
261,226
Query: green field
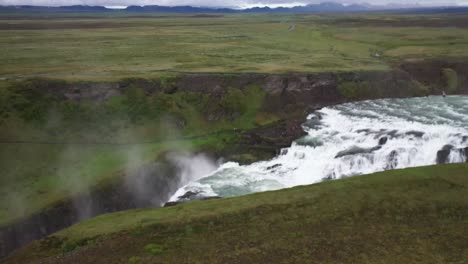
x,y
414,215
112,47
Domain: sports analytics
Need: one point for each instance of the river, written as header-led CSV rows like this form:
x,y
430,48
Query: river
x,y
349,140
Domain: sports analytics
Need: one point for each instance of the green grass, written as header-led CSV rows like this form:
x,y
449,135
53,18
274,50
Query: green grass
x,y
112,47
414,215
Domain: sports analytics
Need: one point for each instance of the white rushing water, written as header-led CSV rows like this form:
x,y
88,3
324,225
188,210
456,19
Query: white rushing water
x,y
347,140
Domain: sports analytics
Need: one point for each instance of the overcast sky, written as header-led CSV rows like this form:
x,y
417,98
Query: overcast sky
x,y
218,3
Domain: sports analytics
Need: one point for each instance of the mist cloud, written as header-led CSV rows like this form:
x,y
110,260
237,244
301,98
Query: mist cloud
x,y
219,3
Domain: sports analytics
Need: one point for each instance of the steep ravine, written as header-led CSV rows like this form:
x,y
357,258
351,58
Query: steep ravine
x,y
289,97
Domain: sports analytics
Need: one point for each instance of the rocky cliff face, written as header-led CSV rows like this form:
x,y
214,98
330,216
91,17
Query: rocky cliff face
x,y
433,74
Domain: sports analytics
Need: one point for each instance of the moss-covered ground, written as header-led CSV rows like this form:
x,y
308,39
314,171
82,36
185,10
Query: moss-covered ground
x,y
416,215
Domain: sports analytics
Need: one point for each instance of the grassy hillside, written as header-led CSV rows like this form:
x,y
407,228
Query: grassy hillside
x,y
110,47
409,216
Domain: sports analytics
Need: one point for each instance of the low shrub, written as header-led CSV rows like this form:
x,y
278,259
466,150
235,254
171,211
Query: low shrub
x,y
69,247
154,249
134,260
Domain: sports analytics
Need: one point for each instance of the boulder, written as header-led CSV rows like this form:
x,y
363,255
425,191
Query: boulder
x,y
417,134
169,204
443,154
356,150
188,195
273,167
314,121
383,141
309,141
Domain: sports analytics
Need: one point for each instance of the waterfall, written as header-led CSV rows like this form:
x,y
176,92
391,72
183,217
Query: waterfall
x,y
352,139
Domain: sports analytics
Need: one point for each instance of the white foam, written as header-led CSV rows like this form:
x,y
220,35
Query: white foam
x,y
362,124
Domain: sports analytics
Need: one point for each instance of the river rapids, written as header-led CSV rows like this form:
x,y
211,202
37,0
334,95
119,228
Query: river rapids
x,y
349,140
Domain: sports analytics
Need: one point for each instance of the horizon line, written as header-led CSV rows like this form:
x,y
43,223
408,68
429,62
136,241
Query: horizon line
x,y
389,5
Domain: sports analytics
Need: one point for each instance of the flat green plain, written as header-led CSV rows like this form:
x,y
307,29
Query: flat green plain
x,y
110,47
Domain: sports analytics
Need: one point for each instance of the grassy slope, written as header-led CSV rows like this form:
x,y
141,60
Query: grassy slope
x,y
416,215
114,47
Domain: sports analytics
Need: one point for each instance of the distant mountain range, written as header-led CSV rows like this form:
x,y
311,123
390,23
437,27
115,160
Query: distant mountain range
x,y
326,7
